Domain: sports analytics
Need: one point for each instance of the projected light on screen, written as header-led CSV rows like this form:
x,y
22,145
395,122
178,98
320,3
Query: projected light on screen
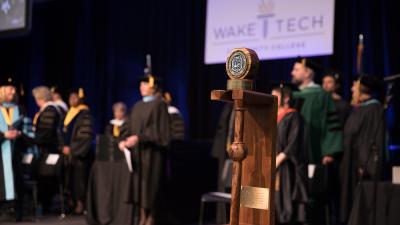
x,y
273,28
14,16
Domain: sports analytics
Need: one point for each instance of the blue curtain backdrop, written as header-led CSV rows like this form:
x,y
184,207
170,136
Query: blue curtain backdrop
x,y
100,45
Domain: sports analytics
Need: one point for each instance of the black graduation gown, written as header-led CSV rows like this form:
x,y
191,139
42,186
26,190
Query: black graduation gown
x,y
150,121
220,140
343,110
47,139
365,125
177,127
218,152
79,136
291,199
115,155
47,131
109,182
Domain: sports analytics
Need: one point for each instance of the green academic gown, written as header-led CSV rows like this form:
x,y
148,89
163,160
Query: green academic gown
x,y
322,123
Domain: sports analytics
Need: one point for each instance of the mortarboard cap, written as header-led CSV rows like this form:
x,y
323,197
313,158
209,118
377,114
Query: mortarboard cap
x,y
79,91
55,89
373,83
152,80
311,64
12,81
8,81
285,88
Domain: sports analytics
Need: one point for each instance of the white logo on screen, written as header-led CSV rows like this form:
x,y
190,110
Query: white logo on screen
x,y
275,29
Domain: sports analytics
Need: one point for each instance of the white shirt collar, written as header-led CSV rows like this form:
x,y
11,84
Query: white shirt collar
x,y
117,122
61,104
173,110
311,84
50,103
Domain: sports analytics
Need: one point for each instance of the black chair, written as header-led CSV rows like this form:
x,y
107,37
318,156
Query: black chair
x,y
218,197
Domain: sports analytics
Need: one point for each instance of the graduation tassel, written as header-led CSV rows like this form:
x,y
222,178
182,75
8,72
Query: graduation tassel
x,y
81,94
151,81
167,97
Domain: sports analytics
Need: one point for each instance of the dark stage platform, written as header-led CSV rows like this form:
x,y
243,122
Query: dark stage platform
x,y
53,220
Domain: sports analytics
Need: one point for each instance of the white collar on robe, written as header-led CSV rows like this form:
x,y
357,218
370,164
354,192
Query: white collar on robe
x,y
117,122
149,98
61,104
50,103
173,110
309,85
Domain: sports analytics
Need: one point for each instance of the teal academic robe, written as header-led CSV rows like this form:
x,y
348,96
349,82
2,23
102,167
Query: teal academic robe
x,y
9,153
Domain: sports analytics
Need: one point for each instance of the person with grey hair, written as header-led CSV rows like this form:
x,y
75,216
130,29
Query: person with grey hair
x,y
46,124
110,175
42,95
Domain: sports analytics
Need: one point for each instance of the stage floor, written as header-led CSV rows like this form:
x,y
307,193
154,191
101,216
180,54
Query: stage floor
x,y
50,220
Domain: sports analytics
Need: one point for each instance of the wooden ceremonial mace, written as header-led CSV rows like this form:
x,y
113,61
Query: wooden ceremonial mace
x,y
253,147
241,66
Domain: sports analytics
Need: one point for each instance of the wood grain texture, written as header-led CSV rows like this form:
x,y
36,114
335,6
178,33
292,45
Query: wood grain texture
x,y
255,129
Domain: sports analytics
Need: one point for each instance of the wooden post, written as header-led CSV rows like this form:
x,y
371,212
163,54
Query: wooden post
x,y
237,153
252,151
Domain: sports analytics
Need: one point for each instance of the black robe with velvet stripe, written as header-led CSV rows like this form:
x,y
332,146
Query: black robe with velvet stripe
x,y
151,122
80,136
364,128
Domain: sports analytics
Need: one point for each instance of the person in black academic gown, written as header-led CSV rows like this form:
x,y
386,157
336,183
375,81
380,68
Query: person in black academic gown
x,y
110,176
46,121
78,137
364,140
46,125
291,196
150,137
222,139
